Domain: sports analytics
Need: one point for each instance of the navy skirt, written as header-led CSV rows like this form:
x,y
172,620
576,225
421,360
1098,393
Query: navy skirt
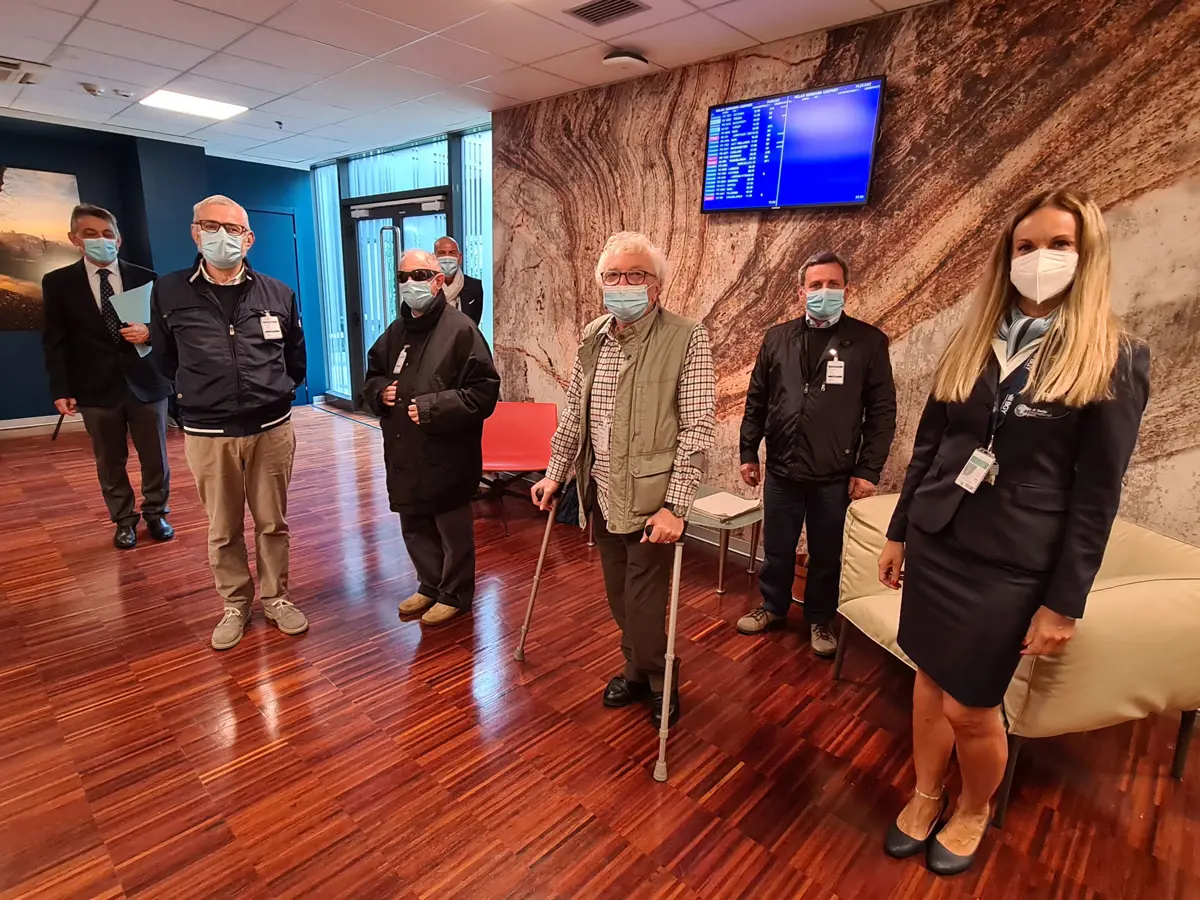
x,y
963,619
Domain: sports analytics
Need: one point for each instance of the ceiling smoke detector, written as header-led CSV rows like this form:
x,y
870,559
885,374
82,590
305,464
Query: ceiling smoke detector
x,y
626,59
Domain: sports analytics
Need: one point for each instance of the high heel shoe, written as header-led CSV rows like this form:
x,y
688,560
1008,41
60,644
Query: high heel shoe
x,y
899,845
941,861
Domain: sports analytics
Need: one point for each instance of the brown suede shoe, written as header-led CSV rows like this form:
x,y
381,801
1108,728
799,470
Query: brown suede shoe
x,y
416,604
440,614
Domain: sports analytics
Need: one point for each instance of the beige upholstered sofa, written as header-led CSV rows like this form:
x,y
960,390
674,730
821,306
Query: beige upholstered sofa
x,y
1135,652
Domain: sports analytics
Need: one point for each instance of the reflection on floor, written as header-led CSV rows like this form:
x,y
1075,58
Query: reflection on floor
x,y
371,759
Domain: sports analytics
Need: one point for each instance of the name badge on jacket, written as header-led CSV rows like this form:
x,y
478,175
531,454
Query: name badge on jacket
x,y
835,372
400,360
270,327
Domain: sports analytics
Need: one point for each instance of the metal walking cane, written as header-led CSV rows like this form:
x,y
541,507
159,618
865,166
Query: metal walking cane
x,y
660,767
519,653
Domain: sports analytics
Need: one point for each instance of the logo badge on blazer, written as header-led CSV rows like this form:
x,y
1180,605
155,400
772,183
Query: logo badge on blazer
x,y
1029,412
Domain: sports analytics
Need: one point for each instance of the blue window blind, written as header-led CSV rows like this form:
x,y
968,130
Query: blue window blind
x,y
477,216
331,278
408,169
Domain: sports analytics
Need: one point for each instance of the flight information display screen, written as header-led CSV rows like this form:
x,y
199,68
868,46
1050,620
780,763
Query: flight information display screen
x,y
813,148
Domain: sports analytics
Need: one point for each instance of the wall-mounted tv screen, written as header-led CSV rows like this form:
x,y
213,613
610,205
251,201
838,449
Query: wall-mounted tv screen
x,y
812,148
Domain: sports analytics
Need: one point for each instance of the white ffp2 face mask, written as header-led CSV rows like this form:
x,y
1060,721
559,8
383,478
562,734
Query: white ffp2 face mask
x,y
1043,274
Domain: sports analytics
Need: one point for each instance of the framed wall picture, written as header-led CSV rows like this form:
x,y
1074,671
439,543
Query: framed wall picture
x,y
35,216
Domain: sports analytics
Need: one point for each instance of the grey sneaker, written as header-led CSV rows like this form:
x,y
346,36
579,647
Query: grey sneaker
x,y
759,620
228,632
824,641
286,617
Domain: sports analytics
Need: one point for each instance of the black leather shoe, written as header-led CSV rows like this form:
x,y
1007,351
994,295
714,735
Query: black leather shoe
x,y
621,692
941,861
656,700
901,846
125,537
160,529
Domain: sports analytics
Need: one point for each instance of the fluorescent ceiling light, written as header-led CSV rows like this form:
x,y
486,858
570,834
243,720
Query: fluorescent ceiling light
x,y
192,106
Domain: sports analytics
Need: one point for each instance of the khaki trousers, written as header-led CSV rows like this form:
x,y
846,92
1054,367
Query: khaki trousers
x,y
231,473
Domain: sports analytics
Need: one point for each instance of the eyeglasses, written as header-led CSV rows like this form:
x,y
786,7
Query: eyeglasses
x,y
417,275
634,278
212,227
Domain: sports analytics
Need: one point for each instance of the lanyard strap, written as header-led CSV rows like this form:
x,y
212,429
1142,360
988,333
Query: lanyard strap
x,y
1004,401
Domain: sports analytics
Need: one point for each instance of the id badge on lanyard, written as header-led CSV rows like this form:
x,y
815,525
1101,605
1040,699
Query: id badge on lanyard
x,y
982,467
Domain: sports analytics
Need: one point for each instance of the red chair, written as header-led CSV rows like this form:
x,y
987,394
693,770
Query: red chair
x,y
516,443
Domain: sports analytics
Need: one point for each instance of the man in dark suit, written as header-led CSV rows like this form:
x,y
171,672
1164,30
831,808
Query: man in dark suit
x,y
462,291
96,370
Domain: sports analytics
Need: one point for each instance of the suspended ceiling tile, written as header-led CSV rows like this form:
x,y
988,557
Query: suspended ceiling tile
x,y
426,15
371,86
163,121
169,19
34,21
69,104
468,99
527,84
517,34
344,26
689,40
147,48
771,20
293,110
18,46
237,70
248,10
266,45
108,66
435,55
300,148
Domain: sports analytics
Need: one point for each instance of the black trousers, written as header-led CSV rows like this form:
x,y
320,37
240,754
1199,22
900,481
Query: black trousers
x,y
442,549
637,579
146,423
787,505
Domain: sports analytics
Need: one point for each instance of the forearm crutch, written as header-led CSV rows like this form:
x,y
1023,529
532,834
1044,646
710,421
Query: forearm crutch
x,y
519,653
660,767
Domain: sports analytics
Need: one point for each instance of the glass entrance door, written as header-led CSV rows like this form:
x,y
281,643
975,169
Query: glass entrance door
x,y
383,231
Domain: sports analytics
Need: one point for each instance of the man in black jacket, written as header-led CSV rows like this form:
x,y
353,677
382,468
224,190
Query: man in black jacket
x,y
462,291
96,370
822,395
231,340
431,381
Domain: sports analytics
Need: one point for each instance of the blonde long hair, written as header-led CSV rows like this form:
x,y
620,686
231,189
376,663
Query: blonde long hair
x,y
1076,361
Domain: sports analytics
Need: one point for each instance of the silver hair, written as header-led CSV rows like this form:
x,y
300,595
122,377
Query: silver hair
x,y
217,200
823,258
633,242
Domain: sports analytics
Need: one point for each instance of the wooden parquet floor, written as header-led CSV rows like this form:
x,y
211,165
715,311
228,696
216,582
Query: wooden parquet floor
x,y
371,759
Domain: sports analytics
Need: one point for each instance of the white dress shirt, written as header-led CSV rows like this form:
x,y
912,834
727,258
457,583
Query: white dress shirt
x,y
93,273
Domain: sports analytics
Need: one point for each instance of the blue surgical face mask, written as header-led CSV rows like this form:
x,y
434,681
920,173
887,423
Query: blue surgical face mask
x,y
221,249
417,295
449,265
101,251
628,304
826,303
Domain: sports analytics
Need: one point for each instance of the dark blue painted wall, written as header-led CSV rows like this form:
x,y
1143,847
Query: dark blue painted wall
x,y
274,189
151,187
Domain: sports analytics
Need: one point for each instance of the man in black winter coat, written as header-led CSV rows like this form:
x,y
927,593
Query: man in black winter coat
x,y
823,397
431,381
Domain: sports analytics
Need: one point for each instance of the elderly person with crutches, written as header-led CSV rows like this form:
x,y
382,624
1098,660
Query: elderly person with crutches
x,y
639,419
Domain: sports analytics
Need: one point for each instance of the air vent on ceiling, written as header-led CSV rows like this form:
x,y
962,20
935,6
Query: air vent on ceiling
x,y
20,71
602,12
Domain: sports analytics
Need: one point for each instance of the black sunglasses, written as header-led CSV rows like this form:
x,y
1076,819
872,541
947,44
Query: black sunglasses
x,y
417,275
